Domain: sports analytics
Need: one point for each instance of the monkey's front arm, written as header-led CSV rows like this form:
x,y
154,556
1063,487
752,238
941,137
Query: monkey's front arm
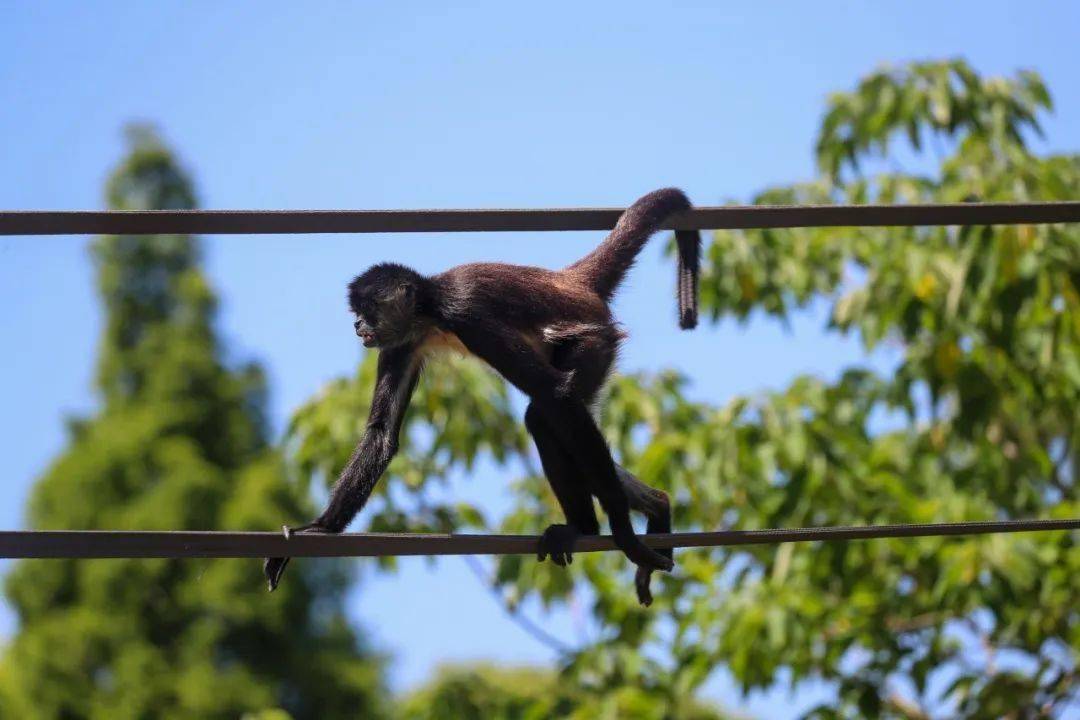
x,y
398,370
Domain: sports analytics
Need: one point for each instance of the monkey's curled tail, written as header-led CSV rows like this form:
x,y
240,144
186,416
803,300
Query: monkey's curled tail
x,y
605,267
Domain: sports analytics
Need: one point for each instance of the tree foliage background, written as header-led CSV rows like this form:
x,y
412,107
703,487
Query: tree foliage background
x,y
979,421
179,442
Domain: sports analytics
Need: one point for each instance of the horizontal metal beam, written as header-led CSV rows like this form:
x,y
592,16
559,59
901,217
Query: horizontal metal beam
x,y
256,222
181,544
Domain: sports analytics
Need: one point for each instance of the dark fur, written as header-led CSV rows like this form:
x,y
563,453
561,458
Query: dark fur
x,y
552,335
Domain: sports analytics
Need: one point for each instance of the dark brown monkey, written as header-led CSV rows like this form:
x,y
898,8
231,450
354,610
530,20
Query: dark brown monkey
x,y
549,333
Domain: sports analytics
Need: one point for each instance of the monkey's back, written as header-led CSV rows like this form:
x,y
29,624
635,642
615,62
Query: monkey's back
x,y
524,296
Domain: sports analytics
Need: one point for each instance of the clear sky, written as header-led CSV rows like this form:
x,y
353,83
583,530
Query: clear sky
x,y
335,105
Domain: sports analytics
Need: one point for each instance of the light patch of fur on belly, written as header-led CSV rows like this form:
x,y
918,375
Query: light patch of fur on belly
x,y
440,341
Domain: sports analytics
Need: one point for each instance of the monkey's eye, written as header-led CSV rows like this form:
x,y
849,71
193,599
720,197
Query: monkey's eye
x,y
367,314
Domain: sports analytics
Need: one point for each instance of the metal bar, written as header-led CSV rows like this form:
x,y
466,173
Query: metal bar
x,y
253,222
180,544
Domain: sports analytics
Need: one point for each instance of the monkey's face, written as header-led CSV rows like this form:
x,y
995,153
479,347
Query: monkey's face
x,y
384,303
386,319
365,330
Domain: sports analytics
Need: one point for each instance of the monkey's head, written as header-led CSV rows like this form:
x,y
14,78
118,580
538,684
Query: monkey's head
x,y
386,302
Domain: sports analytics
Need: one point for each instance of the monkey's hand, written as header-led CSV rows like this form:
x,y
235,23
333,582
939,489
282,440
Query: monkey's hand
x,y
558,541
273,568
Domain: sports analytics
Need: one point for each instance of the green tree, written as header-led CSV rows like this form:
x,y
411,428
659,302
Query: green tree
x,y
979,421
179,442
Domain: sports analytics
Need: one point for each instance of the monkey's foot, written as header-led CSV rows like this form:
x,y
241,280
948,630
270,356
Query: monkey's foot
x,y
558,541
642,555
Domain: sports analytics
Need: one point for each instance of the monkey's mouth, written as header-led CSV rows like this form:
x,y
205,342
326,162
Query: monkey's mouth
x,y
367,338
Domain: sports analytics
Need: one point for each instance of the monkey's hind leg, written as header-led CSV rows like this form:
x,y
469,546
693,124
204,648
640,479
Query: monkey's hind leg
x,y
591,354
656,507
570,490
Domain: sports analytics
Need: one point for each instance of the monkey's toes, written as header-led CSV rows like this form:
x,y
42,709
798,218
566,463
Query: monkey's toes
x,y
558,541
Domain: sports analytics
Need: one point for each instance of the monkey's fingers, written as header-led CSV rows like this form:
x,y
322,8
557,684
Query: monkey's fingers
x,y
558,542
312,527
273,568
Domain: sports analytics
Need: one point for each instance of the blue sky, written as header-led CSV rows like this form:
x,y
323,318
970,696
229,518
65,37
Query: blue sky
x,y
334,105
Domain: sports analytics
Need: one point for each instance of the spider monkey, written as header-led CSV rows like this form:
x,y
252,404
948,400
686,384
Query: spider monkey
x,y
549,333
